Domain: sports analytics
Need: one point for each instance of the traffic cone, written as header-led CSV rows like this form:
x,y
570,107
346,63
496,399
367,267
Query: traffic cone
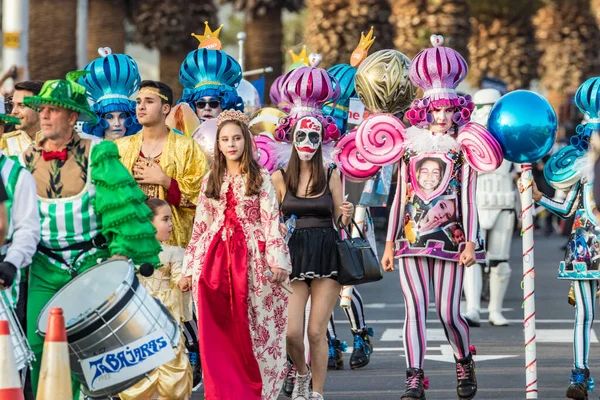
x,y
10,384
55,373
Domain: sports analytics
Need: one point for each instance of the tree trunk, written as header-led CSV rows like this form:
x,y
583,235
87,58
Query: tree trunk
x,y
263,44
52,33
106,26
169,70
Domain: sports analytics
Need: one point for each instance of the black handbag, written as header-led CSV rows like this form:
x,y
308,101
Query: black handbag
x,y
358,263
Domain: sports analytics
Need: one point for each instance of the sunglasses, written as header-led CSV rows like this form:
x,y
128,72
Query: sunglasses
x,y
201,104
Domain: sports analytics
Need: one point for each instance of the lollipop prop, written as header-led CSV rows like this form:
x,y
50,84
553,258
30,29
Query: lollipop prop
x,y
525,125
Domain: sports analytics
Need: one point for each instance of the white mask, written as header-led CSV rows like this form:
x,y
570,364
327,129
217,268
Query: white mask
x,y
307,137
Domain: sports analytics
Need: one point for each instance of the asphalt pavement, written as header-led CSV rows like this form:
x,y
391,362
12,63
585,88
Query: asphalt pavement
x,y
500,356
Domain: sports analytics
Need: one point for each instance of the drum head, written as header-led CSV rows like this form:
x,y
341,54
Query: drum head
x,y
87,293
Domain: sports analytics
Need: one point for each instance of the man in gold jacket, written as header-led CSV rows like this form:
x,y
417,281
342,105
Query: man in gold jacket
x,y
166,164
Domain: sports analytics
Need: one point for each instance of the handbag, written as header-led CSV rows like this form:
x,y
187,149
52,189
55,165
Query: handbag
x,y
358,263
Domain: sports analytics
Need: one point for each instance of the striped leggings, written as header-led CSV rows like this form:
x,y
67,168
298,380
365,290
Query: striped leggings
x,y
585,307
355,314
416,275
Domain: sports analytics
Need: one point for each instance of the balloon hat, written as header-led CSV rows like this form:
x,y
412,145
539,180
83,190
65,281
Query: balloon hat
x,y
111,81
345,74
209,71
306,89
438,71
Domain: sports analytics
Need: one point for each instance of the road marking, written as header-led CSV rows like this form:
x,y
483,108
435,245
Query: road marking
x,y
395,335
448,356
559,336
437,321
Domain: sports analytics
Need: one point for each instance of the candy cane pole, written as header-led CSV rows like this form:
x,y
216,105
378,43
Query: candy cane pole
x,y
528,283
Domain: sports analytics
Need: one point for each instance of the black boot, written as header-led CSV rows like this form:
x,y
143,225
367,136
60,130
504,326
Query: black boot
x,y
196,363
466,387
361,355
336,354
578,387
415,389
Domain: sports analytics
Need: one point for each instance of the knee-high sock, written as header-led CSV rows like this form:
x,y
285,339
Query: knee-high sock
x,y
190,332
447,279
356,312
585,307
331,329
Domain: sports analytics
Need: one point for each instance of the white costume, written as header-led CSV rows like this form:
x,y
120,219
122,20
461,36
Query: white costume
x,y
496,201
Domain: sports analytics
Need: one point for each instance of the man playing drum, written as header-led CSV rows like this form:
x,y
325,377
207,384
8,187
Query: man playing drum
x,y
90,207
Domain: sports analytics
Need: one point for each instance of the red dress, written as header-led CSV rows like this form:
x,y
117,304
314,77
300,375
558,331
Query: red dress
x,y
230,369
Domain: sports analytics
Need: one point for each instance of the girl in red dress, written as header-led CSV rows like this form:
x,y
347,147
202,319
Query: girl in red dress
x,y
235,259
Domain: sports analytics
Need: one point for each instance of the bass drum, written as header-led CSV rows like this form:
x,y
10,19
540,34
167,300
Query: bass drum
x,y
105,309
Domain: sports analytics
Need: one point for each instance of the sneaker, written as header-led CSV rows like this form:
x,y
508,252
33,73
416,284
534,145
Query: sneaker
x,y
361,355
578,384
415,384
197,370
302,387
316,396
336,354
466,387
289,381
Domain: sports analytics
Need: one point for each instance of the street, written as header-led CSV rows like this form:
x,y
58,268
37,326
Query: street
x,y
500,355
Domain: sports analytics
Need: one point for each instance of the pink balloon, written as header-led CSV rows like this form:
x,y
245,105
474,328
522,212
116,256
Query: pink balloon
x,y
380,139
482,151
206,136
265,154
350,162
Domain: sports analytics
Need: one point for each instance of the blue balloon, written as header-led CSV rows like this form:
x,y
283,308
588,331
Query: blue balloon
x,y
525,125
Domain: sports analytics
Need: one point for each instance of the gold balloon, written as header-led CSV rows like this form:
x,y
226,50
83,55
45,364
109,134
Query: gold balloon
x,y
265,120
382,82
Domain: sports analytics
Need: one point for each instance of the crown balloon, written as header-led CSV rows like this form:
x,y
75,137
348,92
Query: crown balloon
x,y
210,39
299,60
360,53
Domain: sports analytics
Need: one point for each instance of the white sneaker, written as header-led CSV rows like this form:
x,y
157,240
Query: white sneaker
x,y
302,387
316,396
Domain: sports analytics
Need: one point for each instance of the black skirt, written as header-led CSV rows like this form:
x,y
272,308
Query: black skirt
x,y
314,254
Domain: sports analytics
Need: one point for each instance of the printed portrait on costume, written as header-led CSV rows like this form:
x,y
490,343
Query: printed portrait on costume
x,y
430,175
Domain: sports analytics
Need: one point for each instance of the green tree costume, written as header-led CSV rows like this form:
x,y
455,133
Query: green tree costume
x,y
111,204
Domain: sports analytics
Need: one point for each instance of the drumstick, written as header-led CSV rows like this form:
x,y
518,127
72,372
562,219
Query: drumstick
x,y
283,285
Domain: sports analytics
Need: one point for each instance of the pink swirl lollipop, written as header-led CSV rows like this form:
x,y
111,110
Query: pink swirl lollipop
x,y
265,154
350,162
380,139
482,151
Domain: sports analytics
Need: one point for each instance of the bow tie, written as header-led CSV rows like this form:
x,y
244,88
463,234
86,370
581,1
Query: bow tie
x,y
55,155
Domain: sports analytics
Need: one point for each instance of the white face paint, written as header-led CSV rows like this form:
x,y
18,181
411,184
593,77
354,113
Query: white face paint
x,y
307,137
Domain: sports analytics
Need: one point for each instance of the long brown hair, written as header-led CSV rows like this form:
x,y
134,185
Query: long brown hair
x,y
317,182
248,165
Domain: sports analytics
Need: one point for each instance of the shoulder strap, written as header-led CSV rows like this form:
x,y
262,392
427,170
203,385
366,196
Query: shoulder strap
x,y
282,171
329,173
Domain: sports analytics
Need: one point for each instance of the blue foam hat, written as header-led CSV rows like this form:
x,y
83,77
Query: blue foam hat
x,y
587,99
344,75
111,81
209,71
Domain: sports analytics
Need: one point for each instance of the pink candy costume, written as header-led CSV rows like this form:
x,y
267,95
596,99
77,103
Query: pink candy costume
x,y
434,212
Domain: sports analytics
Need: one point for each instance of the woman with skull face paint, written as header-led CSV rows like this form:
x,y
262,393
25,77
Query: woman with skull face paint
x,y
312,193
112,79
435,194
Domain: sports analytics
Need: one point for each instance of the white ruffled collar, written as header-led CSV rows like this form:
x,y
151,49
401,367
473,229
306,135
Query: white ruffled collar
x,y
422,141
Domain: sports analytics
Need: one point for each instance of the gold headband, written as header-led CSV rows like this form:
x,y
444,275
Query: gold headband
x,y
149,91
207,83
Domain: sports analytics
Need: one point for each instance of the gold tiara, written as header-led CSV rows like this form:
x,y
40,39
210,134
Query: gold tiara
x,y
155,92
232,115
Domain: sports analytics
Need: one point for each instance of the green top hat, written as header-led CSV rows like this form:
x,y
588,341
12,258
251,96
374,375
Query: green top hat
x,y
64,93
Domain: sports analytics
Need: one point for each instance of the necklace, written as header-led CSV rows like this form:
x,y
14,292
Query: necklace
x,y
148,155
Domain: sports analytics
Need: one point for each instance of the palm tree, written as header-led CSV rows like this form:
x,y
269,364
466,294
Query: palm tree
x,y
52,57
335,27
264,29
417,20
167,26
106,26
502,44
568,37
